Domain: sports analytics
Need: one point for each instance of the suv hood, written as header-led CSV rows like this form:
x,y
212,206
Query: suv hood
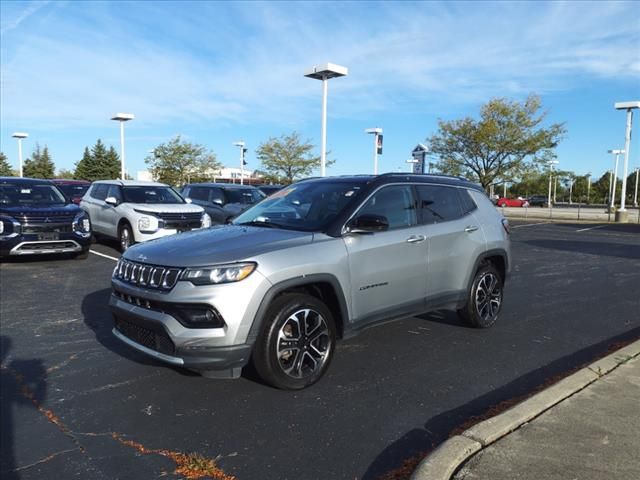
x,y
220,244
166,207
18,212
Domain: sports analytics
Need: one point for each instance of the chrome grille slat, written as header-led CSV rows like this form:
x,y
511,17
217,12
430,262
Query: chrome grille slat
x,y
149,276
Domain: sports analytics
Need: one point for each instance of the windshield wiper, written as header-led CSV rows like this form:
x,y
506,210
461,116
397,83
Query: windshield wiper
x,y
261,223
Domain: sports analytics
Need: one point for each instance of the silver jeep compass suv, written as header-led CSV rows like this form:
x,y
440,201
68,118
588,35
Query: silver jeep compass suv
x,y
317,261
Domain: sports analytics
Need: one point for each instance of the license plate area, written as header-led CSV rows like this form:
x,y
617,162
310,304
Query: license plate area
x,y
48,236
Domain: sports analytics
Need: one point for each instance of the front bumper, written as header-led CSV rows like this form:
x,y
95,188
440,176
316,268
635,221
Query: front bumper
x,y
29,244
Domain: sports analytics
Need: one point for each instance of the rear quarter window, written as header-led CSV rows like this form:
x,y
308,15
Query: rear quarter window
x,y
466,202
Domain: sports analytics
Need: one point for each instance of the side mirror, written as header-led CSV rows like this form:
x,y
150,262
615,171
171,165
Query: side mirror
x,y
218,201
113,201
188,200
368,224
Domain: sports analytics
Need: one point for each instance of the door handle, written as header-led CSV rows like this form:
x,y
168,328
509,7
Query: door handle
x,y
471,228
416,239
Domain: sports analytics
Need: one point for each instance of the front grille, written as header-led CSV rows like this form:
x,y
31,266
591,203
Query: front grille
x,y
148,276
34,247
180,217
47,227
46,218
156,340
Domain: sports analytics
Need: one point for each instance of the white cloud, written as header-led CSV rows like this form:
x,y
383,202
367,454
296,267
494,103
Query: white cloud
x,y
243,62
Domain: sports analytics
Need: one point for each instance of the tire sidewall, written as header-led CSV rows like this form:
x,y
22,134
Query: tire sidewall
x,y
265,354
471,313
125,226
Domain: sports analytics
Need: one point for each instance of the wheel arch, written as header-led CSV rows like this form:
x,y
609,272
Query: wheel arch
x,y
324,286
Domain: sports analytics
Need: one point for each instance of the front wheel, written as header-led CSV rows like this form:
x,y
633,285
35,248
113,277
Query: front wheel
x,y
484,299
297,342
503,204
125,235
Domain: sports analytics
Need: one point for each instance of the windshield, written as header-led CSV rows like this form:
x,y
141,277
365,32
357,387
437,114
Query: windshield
x,y
151,195
245,196
308,206
28,194
74,190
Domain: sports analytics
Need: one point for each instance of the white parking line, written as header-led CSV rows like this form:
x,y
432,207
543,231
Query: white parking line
x,y
590,228
103,255
530,224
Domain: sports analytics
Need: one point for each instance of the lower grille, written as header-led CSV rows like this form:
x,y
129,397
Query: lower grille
x,y
40,246
155,340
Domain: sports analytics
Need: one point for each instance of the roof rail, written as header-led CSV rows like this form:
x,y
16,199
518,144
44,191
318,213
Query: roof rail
x,y
404,174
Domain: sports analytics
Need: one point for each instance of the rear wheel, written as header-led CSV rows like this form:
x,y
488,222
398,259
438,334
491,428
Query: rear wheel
x,y
297,342
484,299
125,236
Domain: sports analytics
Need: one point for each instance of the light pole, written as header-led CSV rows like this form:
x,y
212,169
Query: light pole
x,y
635,196
122,117
629,107
325,72
550,163
615,177
588,175
242,150
20,136
377,132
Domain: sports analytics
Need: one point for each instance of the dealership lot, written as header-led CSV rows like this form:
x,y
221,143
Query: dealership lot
x,y
77,402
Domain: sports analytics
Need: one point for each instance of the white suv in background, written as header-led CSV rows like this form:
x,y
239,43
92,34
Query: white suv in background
x,y
133,211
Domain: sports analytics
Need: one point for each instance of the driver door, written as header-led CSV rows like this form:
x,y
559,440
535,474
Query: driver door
x,y
388,268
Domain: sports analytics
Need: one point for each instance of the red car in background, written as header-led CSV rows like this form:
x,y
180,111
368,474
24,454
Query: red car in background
x,y
74,190
512,202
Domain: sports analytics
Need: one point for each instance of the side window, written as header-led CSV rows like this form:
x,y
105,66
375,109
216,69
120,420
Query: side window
x,y
99,191
438,203
467,203
114,191
396,203
217,196
199,193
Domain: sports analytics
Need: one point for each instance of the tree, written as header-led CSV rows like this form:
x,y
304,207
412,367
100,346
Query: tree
x,y
178,162
5,167
40,164
507,135
287,158
98,163
64,173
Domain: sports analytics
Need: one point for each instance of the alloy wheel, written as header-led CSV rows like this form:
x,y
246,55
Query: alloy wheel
x,y
488,296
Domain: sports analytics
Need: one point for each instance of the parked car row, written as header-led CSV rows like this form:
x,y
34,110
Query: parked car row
x,y
39,216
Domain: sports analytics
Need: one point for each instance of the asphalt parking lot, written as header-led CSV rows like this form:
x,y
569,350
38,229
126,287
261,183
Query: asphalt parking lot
x,y
76,403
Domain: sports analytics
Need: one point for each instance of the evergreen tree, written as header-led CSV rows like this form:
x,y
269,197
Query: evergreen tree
x,y
40,165
5,168
98,163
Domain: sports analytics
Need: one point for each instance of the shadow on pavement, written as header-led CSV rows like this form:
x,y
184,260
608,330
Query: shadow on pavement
x,y
436,430
23,383
607,249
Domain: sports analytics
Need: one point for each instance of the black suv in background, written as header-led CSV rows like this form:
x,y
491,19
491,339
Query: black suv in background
x,y
222,201
539,201
36,218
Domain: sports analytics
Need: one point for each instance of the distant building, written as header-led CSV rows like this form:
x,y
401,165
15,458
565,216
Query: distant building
x,y
224,175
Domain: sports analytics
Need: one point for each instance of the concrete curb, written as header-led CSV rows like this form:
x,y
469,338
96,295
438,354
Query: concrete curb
x,y
443,462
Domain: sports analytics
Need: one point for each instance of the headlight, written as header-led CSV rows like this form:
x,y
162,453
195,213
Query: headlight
x,y
148,224
82,224
9,227
206,220
1,226
219,274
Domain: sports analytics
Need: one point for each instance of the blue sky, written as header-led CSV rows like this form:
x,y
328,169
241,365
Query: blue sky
x,y
216,72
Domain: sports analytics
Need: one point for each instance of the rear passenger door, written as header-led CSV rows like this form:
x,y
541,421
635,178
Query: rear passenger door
x,y
388,268
455,239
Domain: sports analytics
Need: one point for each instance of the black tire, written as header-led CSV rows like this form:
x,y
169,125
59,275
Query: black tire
x,y
503,204
82,255
311,350
477,311
125,231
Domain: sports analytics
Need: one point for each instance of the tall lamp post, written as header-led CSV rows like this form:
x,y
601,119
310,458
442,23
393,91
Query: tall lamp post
x,y
20,136
242,152
629,107
325,72
635,196
614,180
550,163
588,175
377,148
122,117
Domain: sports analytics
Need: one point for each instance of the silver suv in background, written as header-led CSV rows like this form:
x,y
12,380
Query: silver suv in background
x,y
317,261
222,201
134,211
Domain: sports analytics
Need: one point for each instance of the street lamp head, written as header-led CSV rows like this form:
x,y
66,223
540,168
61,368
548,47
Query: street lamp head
x,y
20,135
239,144
326,71
376,130
123,117
627,105
616,152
